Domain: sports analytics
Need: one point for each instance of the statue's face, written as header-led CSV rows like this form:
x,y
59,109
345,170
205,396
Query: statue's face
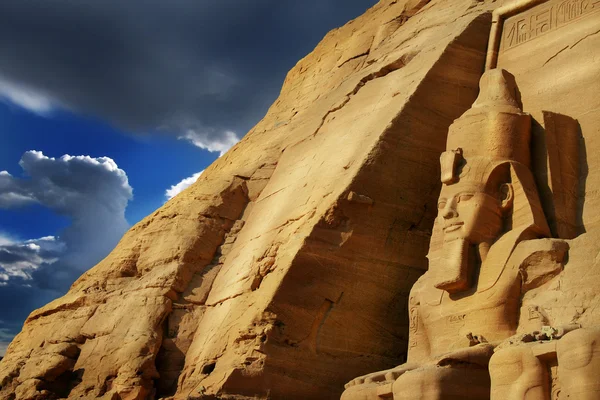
x,y
466,212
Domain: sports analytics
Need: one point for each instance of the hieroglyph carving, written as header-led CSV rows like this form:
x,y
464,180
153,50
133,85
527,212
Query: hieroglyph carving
x,y
544,18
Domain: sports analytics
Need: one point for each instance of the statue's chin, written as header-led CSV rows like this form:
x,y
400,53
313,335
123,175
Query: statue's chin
x,y
454,233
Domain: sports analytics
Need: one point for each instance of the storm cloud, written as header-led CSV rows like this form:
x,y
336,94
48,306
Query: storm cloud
x,y
199,69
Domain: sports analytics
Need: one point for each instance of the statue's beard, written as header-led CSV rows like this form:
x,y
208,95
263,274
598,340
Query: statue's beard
x,y
454,274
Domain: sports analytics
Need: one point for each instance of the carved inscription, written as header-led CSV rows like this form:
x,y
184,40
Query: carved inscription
x,y
456,318
413,326
413,323
544,18
534,313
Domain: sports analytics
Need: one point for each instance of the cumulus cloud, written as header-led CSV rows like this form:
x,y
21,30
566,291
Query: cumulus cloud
x,y
184,184
12,195
215,64
92,192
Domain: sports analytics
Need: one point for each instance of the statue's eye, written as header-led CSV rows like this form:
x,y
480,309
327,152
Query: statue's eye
x,y
441,204
464,197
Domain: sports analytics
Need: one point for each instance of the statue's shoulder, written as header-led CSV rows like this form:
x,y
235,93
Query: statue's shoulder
x,y
539,260
423,284
424,292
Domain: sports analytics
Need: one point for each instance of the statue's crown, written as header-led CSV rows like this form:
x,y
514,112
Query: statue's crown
x,y
493,130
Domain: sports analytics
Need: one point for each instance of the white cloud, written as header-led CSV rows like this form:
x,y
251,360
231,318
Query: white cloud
x,y
220,143
12,195
92,192
184,184
205,141
67,185
21,259
26,98
5,239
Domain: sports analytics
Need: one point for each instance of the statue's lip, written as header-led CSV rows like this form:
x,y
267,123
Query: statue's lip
x,y
453,226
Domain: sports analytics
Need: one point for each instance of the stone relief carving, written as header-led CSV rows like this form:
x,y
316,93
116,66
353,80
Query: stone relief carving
x,y
521,21
491,243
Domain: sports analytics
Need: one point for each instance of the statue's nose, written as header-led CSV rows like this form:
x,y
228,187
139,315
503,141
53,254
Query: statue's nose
x,y
450,210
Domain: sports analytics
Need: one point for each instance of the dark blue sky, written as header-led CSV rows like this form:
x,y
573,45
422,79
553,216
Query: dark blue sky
x,y
118,86
152,164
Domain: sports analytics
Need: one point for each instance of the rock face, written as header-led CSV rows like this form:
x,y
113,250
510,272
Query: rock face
x,y
285,270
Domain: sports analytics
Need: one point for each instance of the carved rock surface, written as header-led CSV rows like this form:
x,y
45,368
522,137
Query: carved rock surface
x,y
284,271
512,274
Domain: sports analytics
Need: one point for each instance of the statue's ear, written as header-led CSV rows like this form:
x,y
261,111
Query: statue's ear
x,y
507,195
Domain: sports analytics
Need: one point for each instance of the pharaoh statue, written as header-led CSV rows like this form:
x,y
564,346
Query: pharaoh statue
x,y
490,244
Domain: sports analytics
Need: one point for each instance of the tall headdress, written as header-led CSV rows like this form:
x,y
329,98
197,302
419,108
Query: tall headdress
x,y
494,130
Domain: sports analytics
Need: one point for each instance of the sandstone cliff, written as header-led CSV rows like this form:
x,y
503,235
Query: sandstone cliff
x,y
285,270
